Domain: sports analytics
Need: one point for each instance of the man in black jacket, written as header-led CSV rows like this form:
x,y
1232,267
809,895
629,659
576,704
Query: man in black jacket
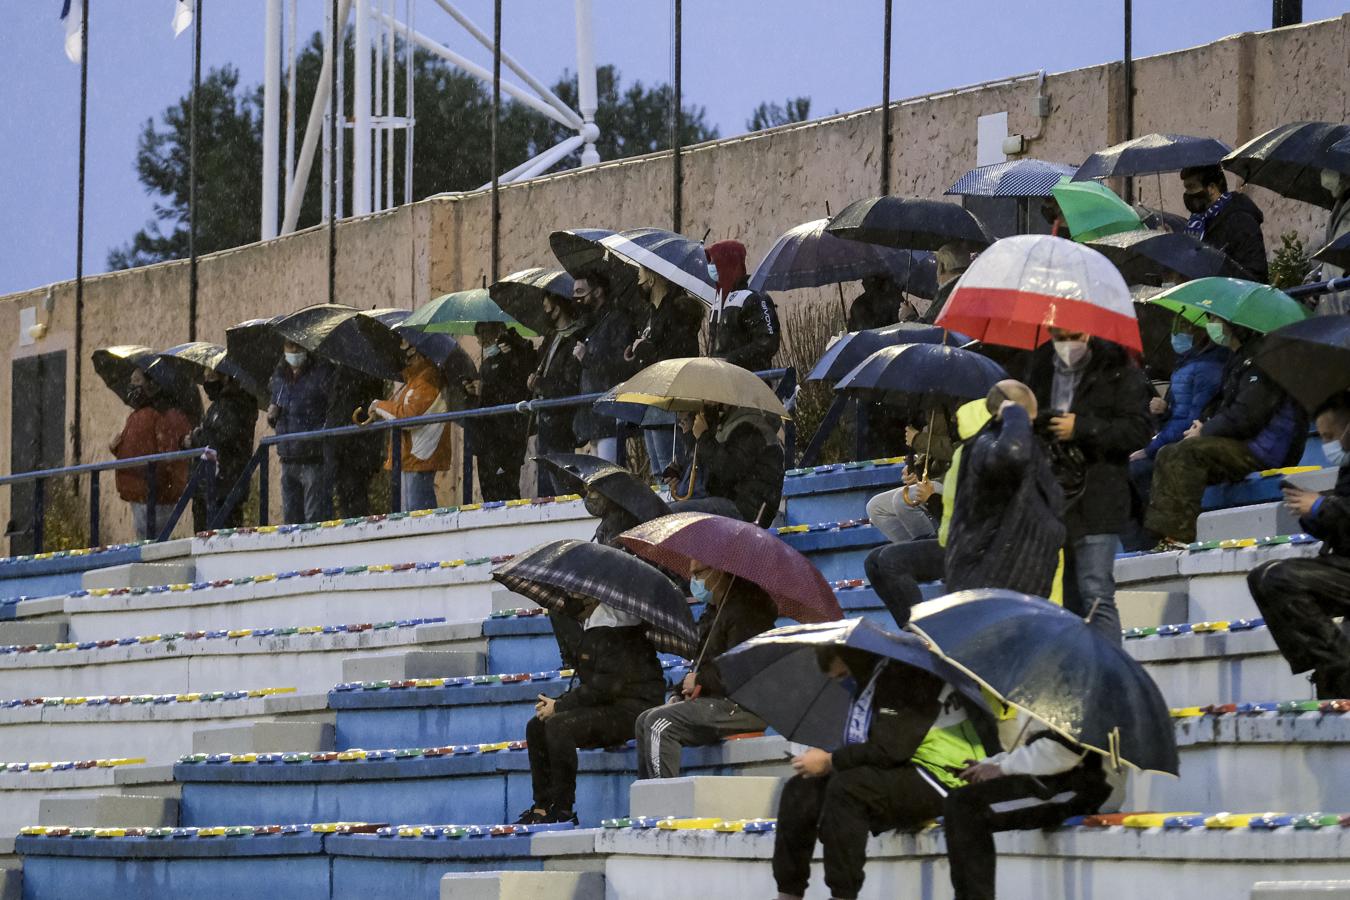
x,y
1225,220
745,328
499,441
880,304
609,332
1299,597
739,458
700,712
1094,404
353,461
558,375
674,318
227,428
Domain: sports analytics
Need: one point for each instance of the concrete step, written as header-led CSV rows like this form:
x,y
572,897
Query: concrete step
x,y
140,574
1142,609
58,572
523,886
832,493
837,552
264,737
413,664
21,793
706,796
11,884
1223,667
42,631
1301,890
1257,520
109,811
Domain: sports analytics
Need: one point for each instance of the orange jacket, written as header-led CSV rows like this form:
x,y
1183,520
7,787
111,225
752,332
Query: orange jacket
x,y
148,431
421,390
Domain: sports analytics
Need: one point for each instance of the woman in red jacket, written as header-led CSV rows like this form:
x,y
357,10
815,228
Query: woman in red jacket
x,y
149,430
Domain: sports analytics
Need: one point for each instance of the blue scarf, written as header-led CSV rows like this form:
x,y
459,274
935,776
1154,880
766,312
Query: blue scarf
x,y
860,710
1199,223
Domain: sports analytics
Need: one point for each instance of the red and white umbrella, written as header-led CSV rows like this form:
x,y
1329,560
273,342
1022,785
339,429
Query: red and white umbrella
x,y
1022,286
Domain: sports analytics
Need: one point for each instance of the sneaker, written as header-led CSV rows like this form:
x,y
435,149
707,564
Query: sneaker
x,y
560,816
1168,545
532,816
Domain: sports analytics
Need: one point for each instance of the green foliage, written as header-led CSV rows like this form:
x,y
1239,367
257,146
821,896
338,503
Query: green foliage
x,y
65,524
771,115
1291,263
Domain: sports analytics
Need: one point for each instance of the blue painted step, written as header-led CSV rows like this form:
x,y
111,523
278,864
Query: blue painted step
x,y
837,553
27,577
366,866
839,492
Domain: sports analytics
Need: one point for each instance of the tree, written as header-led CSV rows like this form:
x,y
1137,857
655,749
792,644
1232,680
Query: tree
x,y
771,115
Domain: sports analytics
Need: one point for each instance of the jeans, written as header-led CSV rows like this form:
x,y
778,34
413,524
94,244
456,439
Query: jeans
x,y
140,519
419,491
1089,580
896,570
660,448
302,493
897,520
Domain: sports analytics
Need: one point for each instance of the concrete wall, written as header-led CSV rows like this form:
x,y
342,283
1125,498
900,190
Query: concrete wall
x,y
751,188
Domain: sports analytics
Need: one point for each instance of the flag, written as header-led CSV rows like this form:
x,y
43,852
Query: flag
x,y
74,19
182,16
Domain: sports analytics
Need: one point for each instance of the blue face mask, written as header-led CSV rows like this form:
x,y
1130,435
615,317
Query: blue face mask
x,y
698,589
1182,342
712,272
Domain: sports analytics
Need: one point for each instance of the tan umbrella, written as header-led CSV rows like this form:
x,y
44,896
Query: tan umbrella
x,y
684,385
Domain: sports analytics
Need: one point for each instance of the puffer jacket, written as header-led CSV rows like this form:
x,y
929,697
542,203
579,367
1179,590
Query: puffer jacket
x,y
1250,407
1236,230
614,664
743,462
1196,379
421,394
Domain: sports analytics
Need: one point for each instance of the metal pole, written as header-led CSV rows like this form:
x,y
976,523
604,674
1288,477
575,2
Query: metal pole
x,y
316,126
336,38
1129,88
192,172
39,512
76,432
271,139
586,91
886,102
93,509
264,486
151,496
377,103
676,163
1286,12
361,114
496,118
395,470
410,120
290,97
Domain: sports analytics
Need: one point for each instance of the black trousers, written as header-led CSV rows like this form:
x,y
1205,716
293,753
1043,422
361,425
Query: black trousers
x,y
842,808
896,570
1298,598
499,454
552,745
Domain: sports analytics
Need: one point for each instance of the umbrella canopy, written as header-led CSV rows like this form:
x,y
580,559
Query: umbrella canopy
x,y
187,362
521,295
1259,307
1290,159
348,337
115,366
553,573
579,251
908,224
743,549
1152,154
674,257
775,676
845,352
1337,252
686,384
1052,665
1150,257
615,484
1026,284
256,345
949,375
1016,178
459,312
1310,359
809,256
1093,210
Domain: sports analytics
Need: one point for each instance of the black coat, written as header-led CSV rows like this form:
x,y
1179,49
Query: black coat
x,y
352,389
559,376
614,664
1331,521
608,335
1007,527
672,330
1250,407
228,428
875,309
745,465
746,612
904,708
747,333
1112,421
1236,230
504,380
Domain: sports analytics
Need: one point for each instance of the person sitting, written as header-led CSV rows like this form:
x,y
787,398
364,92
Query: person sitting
x,y
425,449
1250,425
700,712
912,511
1299,597
745,329
617,677
742,462
907,734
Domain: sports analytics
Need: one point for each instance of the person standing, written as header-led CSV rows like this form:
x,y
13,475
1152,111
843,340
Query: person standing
x,y
152,427
300,389
425,449
609,332
745,330
1337,185
953,258
880,304
1224,219
671,332
352,461
558,375
227,428
499,441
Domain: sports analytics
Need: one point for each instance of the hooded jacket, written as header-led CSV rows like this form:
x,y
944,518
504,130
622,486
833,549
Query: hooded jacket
x,y
742,461
421,394
745,612
614,665
1195,381
302,398
745,322
149,430
559,375
228,428
1236,230
672,328
1251,408
609,332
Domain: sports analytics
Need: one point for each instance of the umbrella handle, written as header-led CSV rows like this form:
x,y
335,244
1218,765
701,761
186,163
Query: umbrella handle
x,y
716,618
928,450
693,475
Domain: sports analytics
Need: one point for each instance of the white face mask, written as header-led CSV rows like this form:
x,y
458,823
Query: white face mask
x,y
1334,452
1071,352
297,359
1334,182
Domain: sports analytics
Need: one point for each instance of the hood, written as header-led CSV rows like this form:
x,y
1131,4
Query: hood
x,y
970,418
1243,203
423,369
729,257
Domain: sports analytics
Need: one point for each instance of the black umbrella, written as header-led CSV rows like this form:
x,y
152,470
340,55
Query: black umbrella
x,y
554,573
618,485
580,252
1150,257
1054,666
348,336
1152,154
908,224
845,352
1337,252
1155,334
1309,359
255,345
809,256
948,375
115,366
521,295
1290,159
775,676
187,362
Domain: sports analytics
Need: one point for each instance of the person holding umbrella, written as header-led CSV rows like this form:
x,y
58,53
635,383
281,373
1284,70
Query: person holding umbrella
x,y
953,258
227,428
558,375
609,333
1337,184
742,461
499,441
300,389
881,303
745,323
426,449
153,426
1224,219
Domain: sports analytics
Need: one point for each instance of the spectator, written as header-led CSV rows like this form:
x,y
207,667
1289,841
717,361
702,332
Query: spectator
x,y
558,375
1300,597
618,676
742,463
1338,223
1096,414
880,304
227,428
913,510
1250,425
1225,220
953,259
152,427
499,441
745,329
609,332
674,318
300,389
425,449
1054,217
700,712
351,462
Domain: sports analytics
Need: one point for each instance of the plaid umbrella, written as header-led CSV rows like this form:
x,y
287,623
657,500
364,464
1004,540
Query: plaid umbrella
x,y
1016,178
553,573
743,549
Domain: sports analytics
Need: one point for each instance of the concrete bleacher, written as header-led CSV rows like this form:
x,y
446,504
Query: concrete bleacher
x,y
422,719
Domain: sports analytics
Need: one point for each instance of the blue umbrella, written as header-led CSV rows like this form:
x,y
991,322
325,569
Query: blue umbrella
x,y
1017,178
844,353
809,256
1152,154
946,374
674,257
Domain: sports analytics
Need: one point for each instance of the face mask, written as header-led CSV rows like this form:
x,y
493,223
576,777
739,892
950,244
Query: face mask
x,y
297,359
1182,342
138,396
1333,182
1071,352
1334,452
595,505
491,350
213,389
712,272
1218,333
1196,203
698,589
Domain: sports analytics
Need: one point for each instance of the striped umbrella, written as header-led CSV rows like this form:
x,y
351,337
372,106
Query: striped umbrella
x,y
1016,178
674,257
809,256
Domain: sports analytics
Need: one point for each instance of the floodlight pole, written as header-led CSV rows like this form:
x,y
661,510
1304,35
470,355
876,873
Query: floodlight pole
x,y
1129,88
271,140
335,38
886,103
586,90
676,162
496,119
192,171
75,431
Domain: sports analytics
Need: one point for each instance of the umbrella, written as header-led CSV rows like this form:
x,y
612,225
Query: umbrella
x,y
674,257
256,345
908,224
686,384
1025,284
1054,666
187,361
743,549
348,336
1150,257
845,352
459,312
615,484
1259,307
1290,159
1337,252
580,252
1310,359
809,256
521,295
1093,210
949,375
115,366
555,572
1016,178
775,676
1153,154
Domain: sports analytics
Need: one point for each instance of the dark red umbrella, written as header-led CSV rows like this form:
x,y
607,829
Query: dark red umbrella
x,y
743,549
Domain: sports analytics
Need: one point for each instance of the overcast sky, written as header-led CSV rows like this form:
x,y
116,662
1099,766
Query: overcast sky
x,y
737,54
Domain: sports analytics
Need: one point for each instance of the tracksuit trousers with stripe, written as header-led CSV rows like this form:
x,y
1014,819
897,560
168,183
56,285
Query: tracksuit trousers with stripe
x,y
663,731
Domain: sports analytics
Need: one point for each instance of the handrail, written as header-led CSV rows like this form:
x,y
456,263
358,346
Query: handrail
x,y
170,456
1331,286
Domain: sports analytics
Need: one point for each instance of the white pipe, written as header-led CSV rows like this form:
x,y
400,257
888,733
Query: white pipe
x,y
389,113
377,133
326,195
547,95
546,160
290,98
482,74
586,91
409,116
271,151
340,126
296,195
361,112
